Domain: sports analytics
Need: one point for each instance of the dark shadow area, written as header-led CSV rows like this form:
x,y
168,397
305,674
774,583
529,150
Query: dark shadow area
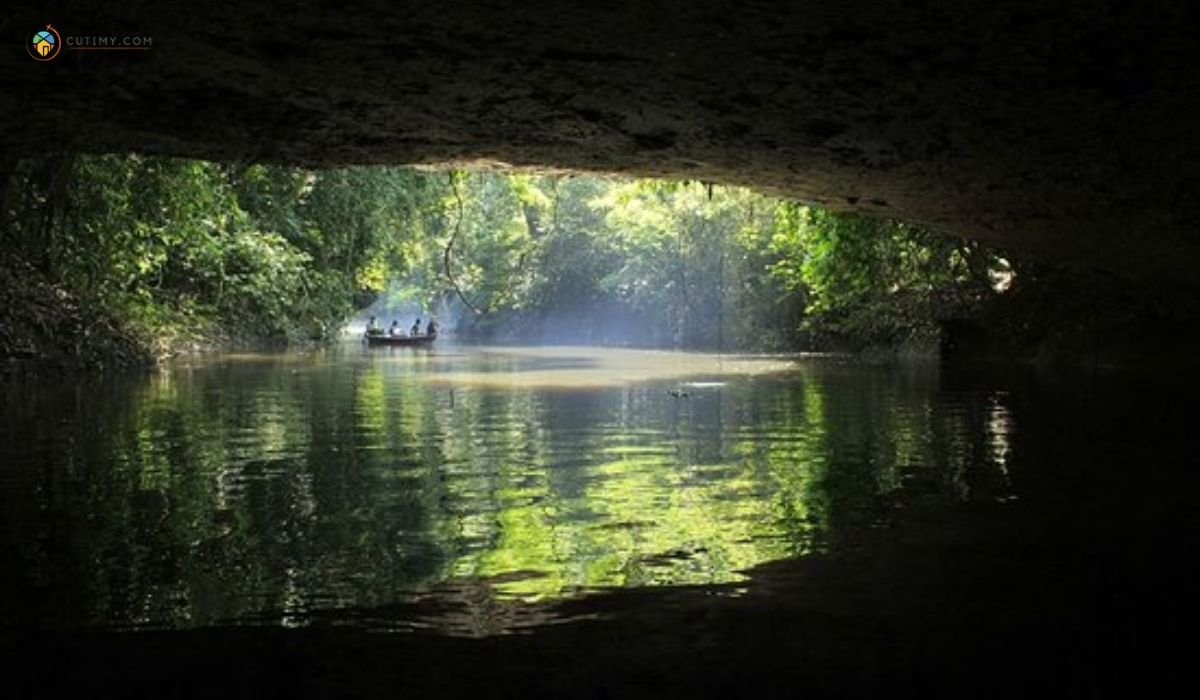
x,y
983,602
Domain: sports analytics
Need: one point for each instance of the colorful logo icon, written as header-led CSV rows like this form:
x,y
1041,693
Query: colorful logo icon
x,y
45,44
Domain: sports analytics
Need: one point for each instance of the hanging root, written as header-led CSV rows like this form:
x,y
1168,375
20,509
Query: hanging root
x,y
449,251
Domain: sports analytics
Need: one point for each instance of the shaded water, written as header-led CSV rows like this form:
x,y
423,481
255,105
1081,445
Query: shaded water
x,y
268,488
577,522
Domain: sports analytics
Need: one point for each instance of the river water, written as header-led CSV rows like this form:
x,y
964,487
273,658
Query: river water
x,y
289,489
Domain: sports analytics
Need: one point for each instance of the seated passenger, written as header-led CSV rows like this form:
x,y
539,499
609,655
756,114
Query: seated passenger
x,y
396,330
416,328
431,328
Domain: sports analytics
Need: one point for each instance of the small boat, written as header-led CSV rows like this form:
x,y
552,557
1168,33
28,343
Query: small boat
x,y
404,340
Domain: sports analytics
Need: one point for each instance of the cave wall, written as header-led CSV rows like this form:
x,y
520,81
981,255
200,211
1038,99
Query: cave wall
x,y
1065,130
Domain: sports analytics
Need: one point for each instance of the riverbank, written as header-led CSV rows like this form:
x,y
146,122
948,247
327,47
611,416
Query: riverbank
x,y
46,329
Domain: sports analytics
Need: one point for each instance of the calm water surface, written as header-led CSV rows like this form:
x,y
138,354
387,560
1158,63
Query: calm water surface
x,y
267,488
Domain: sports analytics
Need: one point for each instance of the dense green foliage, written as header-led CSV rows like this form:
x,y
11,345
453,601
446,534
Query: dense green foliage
x,y
692,265
182,248
880,282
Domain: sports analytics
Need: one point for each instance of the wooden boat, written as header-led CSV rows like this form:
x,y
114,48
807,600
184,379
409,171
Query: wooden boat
x,y
401,340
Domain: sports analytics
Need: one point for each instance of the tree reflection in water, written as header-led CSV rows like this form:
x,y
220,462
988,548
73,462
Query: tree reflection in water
x,y
272,489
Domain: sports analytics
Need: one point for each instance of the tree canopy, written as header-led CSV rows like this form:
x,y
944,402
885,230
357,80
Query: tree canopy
x,y
181,248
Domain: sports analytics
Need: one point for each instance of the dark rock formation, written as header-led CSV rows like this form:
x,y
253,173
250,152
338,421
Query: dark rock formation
x,y
1064,129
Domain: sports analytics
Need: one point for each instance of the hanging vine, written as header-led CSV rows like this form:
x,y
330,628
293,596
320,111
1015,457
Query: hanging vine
x,y
449,251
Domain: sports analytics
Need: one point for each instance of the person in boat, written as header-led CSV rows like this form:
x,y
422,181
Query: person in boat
x,y
396,330
431,328
373,327
416,328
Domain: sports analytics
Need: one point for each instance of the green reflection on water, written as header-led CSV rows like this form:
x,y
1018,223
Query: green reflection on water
x,y
287,484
